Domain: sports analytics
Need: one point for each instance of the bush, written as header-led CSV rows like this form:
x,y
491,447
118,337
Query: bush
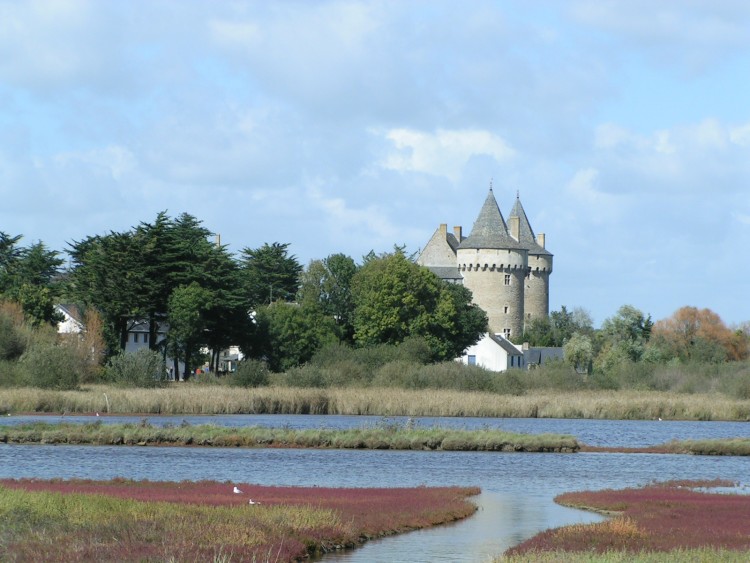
x,y
303,376
12,342
142,368
250,373
50,366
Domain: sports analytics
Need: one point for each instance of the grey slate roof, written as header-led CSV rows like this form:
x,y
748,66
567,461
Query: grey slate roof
x,y
490,230
506,345
541,355
527,238
446,272
451,239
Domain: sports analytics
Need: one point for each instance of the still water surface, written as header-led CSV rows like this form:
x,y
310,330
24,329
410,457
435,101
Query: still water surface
x,y
517,489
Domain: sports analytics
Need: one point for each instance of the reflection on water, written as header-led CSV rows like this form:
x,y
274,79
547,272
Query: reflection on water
x,y
517,489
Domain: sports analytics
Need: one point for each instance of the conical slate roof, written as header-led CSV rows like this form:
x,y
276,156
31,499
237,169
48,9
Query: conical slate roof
x,y
526,237
490,230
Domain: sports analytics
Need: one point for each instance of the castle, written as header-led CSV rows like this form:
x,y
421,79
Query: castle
x,y
506,266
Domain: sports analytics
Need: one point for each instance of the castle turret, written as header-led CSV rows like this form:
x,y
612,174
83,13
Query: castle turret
x,y
494,267
536,292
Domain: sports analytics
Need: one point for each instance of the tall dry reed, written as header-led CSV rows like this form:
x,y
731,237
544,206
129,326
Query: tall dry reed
x,y
187,399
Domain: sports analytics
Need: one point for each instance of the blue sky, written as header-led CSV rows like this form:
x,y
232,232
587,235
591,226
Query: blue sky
x,y
351,126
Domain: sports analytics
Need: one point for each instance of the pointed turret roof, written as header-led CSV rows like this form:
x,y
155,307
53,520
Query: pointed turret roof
x,y
526,237
489,230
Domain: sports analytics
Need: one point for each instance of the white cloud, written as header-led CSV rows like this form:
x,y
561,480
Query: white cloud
x,y
599,206
443,153
740,135
691,34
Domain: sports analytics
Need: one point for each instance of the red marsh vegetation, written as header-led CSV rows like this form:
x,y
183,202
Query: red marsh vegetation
x,y
657,518
122,520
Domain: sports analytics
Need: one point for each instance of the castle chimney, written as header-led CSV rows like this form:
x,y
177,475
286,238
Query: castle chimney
x,y
443,230
515,227
217,239
540,239
458,232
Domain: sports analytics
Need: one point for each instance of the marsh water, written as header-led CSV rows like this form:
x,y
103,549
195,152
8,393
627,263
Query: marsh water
x,y
517,489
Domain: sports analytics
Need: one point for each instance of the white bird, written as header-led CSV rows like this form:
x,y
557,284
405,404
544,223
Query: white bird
x,y
236,491
251,501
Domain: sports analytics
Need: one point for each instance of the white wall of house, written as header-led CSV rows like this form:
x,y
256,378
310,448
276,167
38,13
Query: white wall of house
x,y
492,355
70,325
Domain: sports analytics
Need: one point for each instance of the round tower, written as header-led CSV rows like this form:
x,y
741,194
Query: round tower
x,y
494,268
536,290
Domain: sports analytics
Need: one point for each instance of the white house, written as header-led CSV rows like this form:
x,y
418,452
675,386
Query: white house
x,y
73,321
494,352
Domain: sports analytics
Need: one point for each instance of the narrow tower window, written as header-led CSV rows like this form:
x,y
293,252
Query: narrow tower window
x,y
507,279
505,309
506,332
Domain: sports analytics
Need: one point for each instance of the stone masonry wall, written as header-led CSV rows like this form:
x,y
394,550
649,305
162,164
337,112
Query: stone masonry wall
x,y
485,272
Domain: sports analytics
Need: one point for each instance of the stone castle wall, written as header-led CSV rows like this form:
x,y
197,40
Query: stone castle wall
x,y
536,292
501,297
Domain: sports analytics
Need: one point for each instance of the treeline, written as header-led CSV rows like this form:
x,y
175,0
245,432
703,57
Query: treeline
x,y
173,277
683,352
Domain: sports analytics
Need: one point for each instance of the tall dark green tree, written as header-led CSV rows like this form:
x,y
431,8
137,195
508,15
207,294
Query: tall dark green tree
x,y
108,275
27,276
269,274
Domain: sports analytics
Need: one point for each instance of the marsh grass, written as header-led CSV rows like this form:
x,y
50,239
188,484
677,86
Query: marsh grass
x,y
195,399
662,517
379,437
122,520
703,555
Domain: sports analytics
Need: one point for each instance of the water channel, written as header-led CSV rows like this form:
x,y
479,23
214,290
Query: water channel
x,y
517,489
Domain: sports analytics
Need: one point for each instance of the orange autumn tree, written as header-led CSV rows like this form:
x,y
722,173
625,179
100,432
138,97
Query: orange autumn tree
x,y
693,334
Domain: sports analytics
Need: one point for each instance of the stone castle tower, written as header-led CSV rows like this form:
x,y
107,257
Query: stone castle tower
x,y
505,265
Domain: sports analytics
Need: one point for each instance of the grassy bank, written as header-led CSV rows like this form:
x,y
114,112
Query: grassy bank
x,y
146,521
719,446
206,399
386,437
661,522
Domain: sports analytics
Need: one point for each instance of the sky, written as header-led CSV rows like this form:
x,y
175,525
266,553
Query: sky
x,y
345,126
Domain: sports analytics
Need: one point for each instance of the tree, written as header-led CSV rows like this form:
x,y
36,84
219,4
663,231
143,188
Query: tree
x,y
395,298
327,283
693,334
579,351
289,334
626,333
108,275
129,277
185,311
26,276
269,274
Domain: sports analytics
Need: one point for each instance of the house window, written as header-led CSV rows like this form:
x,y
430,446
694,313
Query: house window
x,y
506,332
507,279
472,360
135,337
512,358
145,338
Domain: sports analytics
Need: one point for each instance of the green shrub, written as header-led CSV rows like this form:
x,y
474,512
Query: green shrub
x,y
12,342
250,373
511,382
50,366
10,374
400,373
303,376
142,368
